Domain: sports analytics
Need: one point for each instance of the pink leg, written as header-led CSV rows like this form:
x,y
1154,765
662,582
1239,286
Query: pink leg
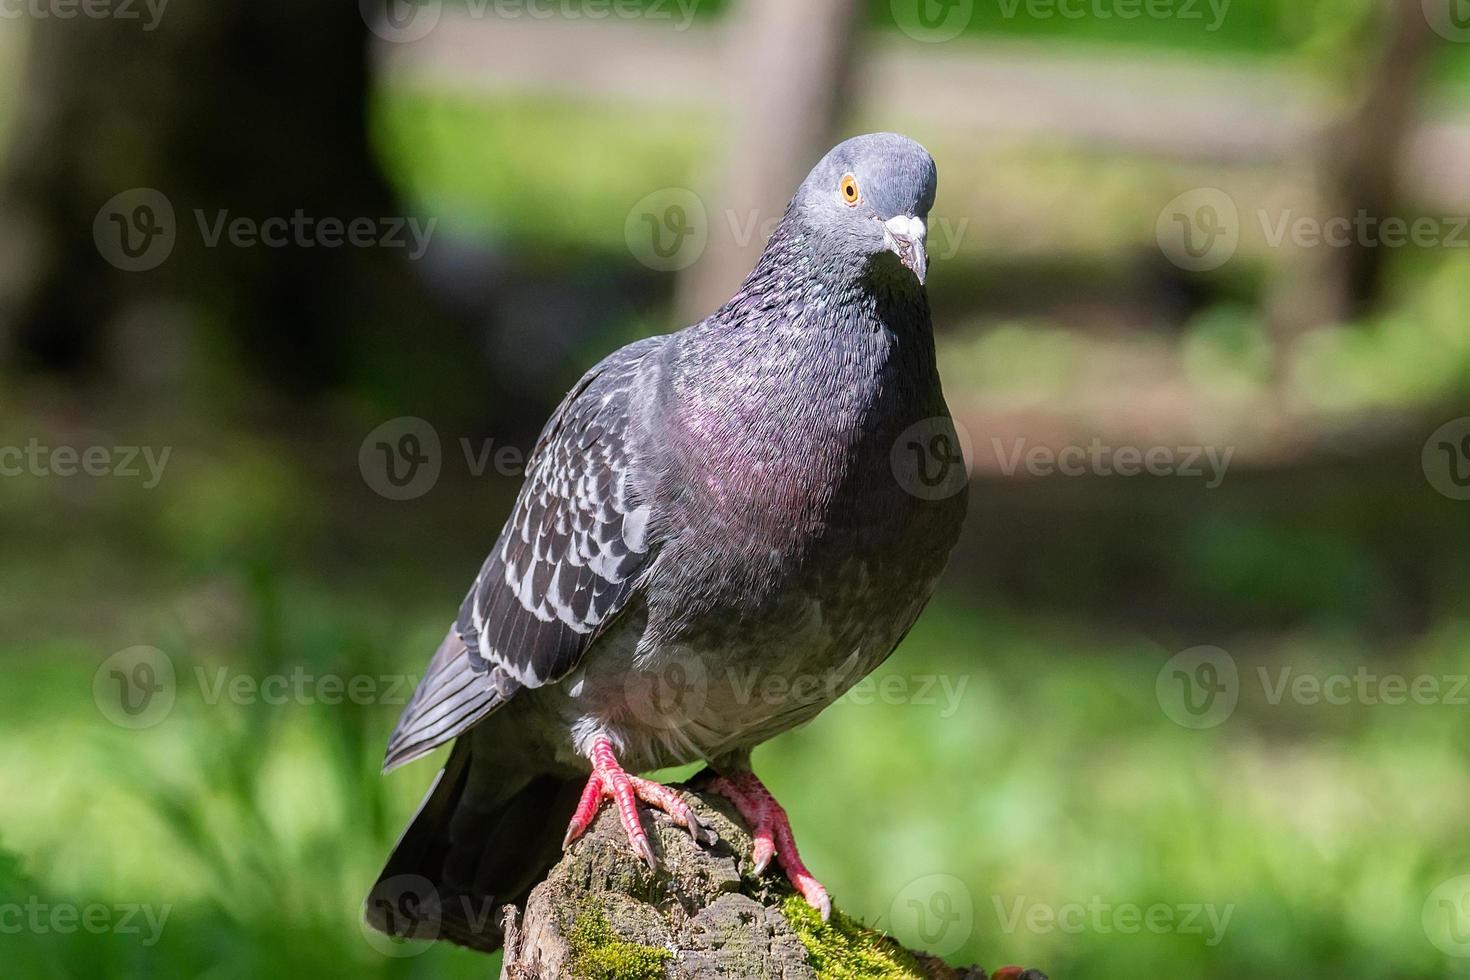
x,y
608,780
772,835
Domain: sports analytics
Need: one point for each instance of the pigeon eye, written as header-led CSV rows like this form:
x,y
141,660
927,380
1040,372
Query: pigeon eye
x,y
849,190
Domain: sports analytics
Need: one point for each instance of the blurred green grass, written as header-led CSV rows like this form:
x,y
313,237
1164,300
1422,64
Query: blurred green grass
x,y
1024,755
1057,779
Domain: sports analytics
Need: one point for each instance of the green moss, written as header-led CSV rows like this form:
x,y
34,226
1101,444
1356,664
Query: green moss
x,y
599,954
844,949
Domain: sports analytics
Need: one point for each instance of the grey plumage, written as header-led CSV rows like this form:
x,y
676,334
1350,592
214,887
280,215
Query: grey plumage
x,y
720,501
565,565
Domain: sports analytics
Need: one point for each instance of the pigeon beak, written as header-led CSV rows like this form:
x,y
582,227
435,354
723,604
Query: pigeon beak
x,y
904,236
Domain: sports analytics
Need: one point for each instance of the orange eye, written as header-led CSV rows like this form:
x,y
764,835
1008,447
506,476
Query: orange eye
x,y
849,190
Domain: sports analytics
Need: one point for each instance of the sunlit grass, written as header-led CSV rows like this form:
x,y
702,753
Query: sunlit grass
x,y
1028,763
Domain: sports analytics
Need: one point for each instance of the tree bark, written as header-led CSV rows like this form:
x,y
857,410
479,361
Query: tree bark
x,y
1359,165
702,916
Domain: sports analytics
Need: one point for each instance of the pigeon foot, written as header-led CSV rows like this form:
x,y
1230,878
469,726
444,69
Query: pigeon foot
x,y
610,781
771,831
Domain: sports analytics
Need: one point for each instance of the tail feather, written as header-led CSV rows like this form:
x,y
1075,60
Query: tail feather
x,y
483,837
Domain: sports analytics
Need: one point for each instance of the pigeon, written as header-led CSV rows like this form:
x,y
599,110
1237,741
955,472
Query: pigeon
x,y
721,530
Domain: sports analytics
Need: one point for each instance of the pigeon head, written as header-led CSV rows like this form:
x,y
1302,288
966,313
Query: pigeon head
x,y
867,202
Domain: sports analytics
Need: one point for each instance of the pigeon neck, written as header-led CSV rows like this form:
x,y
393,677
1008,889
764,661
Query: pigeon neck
x,y
804,281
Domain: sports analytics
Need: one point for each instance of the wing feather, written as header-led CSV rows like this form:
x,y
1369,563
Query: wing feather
x,y
568,560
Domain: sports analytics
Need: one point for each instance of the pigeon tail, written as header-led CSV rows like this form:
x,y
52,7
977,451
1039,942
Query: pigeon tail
x,y
482,838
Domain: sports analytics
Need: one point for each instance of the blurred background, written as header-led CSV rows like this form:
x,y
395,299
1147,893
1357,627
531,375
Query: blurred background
x,y
287,290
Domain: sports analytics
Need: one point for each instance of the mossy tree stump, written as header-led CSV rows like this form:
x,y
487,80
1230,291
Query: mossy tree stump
x,y
602,915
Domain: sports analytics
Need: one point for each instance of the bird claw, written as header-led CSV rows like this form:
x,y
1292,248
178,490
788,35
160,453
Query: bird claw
x,y
701,833
771,836
645,851
610,781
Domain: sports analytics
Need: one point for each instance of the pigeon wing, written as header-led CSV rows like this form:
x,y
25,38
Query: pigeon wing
x,y
566,564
